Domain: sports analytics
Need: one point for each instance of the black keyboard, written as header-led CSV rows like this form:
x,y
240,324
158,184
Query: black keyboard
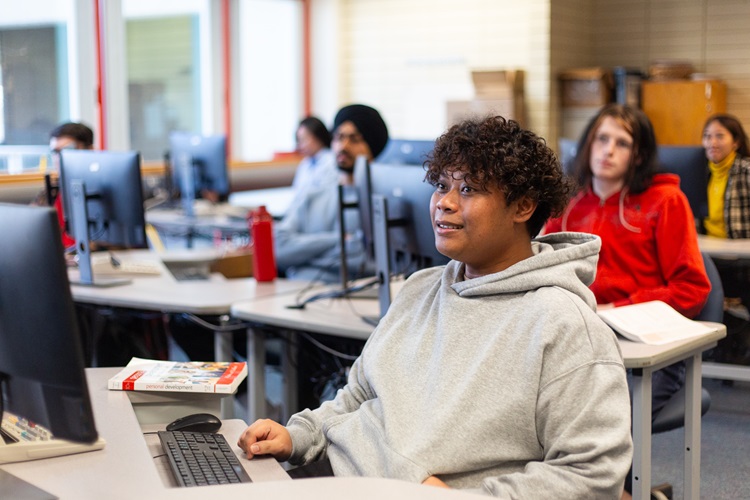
x,y
201,458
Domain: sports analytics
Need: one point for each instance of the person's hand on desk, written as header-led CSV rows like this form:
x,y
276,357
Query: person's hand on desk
x,y
266,437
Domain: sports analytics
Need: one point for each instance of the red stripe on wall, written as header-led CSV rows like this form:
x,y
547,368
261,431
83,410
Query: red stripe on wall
x,y
227,50
101,140
306,59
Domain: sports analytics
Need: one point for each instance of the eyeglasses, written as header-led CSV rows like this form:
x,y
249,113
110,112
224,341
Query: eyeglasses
x,y
353,138
70,145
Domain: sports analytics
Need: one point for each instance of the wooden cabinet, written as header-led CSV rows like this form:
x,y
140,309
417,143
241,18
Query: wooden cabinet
x,y
679,108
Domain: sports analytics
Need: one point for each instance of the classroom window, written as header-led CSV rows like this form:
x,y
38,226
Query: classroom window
x,y
163,81
34,79
270,77
169,72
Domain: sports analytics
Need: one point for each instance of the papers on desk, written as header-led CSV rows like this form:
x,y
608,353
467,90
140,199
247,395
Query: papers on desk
x,y
652,322
175,376
104,263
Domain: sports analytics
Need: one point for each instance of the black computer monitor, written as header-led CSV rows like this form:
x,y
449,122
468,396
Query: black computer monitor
x,y
103,203
691,165
198,163
402,234
567,154
41,359
406,151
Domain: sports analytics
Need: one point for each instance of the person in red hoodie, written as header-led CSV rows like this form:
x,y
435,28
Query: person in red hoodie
x,y
649,242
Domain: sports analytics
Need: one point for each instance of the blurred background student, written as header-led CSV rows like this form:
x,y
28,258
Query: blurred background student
x,y
307,238
649,241
728,155
65,136
318,166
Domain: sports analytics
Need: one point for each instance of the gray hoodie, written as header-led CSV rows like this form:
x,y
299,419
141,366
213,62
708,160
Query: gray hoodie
x,y
508,382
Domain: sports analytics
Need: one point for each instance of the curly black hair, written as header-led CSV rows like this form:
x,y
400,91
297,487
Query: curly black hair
x,y
495,150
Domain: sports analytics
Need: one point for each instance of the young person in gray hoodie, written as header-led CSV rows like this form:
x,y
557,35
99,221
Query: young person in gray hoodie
x,y
492,373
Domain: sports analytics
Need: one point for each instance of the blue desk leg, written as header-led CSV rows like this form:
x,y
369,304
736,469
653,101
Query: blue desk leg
x,y
642,433
692,472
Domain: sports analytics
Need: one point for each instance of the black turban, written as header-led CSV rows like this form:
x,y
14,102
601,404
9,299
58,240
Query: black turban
x,y
369,123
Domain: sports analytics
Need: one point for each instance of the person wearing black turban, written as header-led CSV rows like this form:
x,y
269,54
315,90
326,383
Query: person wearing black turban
x,y
306,240
357,130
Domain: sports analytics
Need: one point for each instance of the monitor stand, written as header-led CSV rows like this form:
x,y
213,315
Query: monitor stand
x,y
348,290
80,219
381,239
187,184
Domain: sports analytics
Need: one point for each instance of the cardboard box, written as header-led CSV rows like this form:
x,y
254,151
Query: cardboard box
x,y
574,121
237,264
586,87
498,92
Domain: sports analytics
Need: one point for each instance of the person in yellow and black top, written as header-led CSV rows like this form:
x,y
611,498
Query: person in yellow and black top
x,y
726,146
728,154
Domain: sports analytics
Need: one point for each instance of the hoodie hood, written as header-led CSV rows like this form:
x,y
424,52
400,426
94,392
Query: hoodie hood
x,y
565,260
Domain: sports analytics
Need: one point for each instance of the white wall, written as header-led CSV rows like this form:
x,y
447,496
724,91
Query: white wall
x,y
408,57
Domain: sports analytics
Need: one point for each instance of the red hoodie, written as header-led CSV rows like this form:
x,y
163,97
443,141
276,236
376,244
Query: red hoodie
x,y
649,245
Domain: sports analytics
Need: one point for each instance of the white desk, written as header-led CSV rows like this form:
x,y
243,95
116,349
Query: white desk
x,y
344,318
125,469
230,221
644,360
213,297
723,248
276,200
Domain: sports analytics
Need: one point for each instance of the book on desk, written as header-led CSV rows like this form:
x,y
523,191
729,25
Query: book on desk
x,y
653,322
179,376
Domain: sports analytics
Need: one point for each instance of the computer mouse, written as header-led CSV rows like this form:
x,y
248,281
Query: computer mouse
x,y
197,422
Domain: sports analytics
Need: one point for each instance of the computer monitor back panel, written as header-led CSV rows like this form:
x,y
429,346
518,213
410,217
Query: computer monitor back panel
x,y
114,194
41,358
412,240
406,151
208,157
690,163
568,148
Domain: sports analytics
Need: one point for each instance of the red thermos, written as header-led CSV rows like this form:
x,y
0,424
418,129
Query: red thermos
x,y
261,230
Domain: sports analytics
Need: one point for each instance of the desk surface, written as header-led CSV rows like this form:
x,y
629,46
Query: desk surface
x,y
724,247
125,469
164,293
276,200
343,317
206,218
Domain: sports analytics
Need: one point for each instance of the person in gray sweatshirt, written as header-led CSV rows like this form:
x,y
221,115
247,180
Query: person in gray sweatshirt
x,y
492,373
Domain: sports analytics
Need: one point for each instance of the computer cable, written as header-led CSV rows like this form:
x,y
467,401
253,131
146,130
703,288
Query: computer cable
x,y
335,294
327,349
213,327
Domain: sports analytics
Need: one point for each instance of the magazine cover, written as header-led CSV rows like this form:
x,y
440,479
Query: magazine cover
x,y
179,376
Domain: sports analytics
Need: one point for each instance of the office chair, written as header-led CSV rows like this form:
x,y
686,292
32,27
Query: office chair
x,y
672,415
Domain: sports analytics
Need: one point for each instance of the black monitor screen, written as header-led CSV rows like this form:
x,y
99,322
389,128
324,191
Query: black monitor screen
x,y
41,358
690,163
206,156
